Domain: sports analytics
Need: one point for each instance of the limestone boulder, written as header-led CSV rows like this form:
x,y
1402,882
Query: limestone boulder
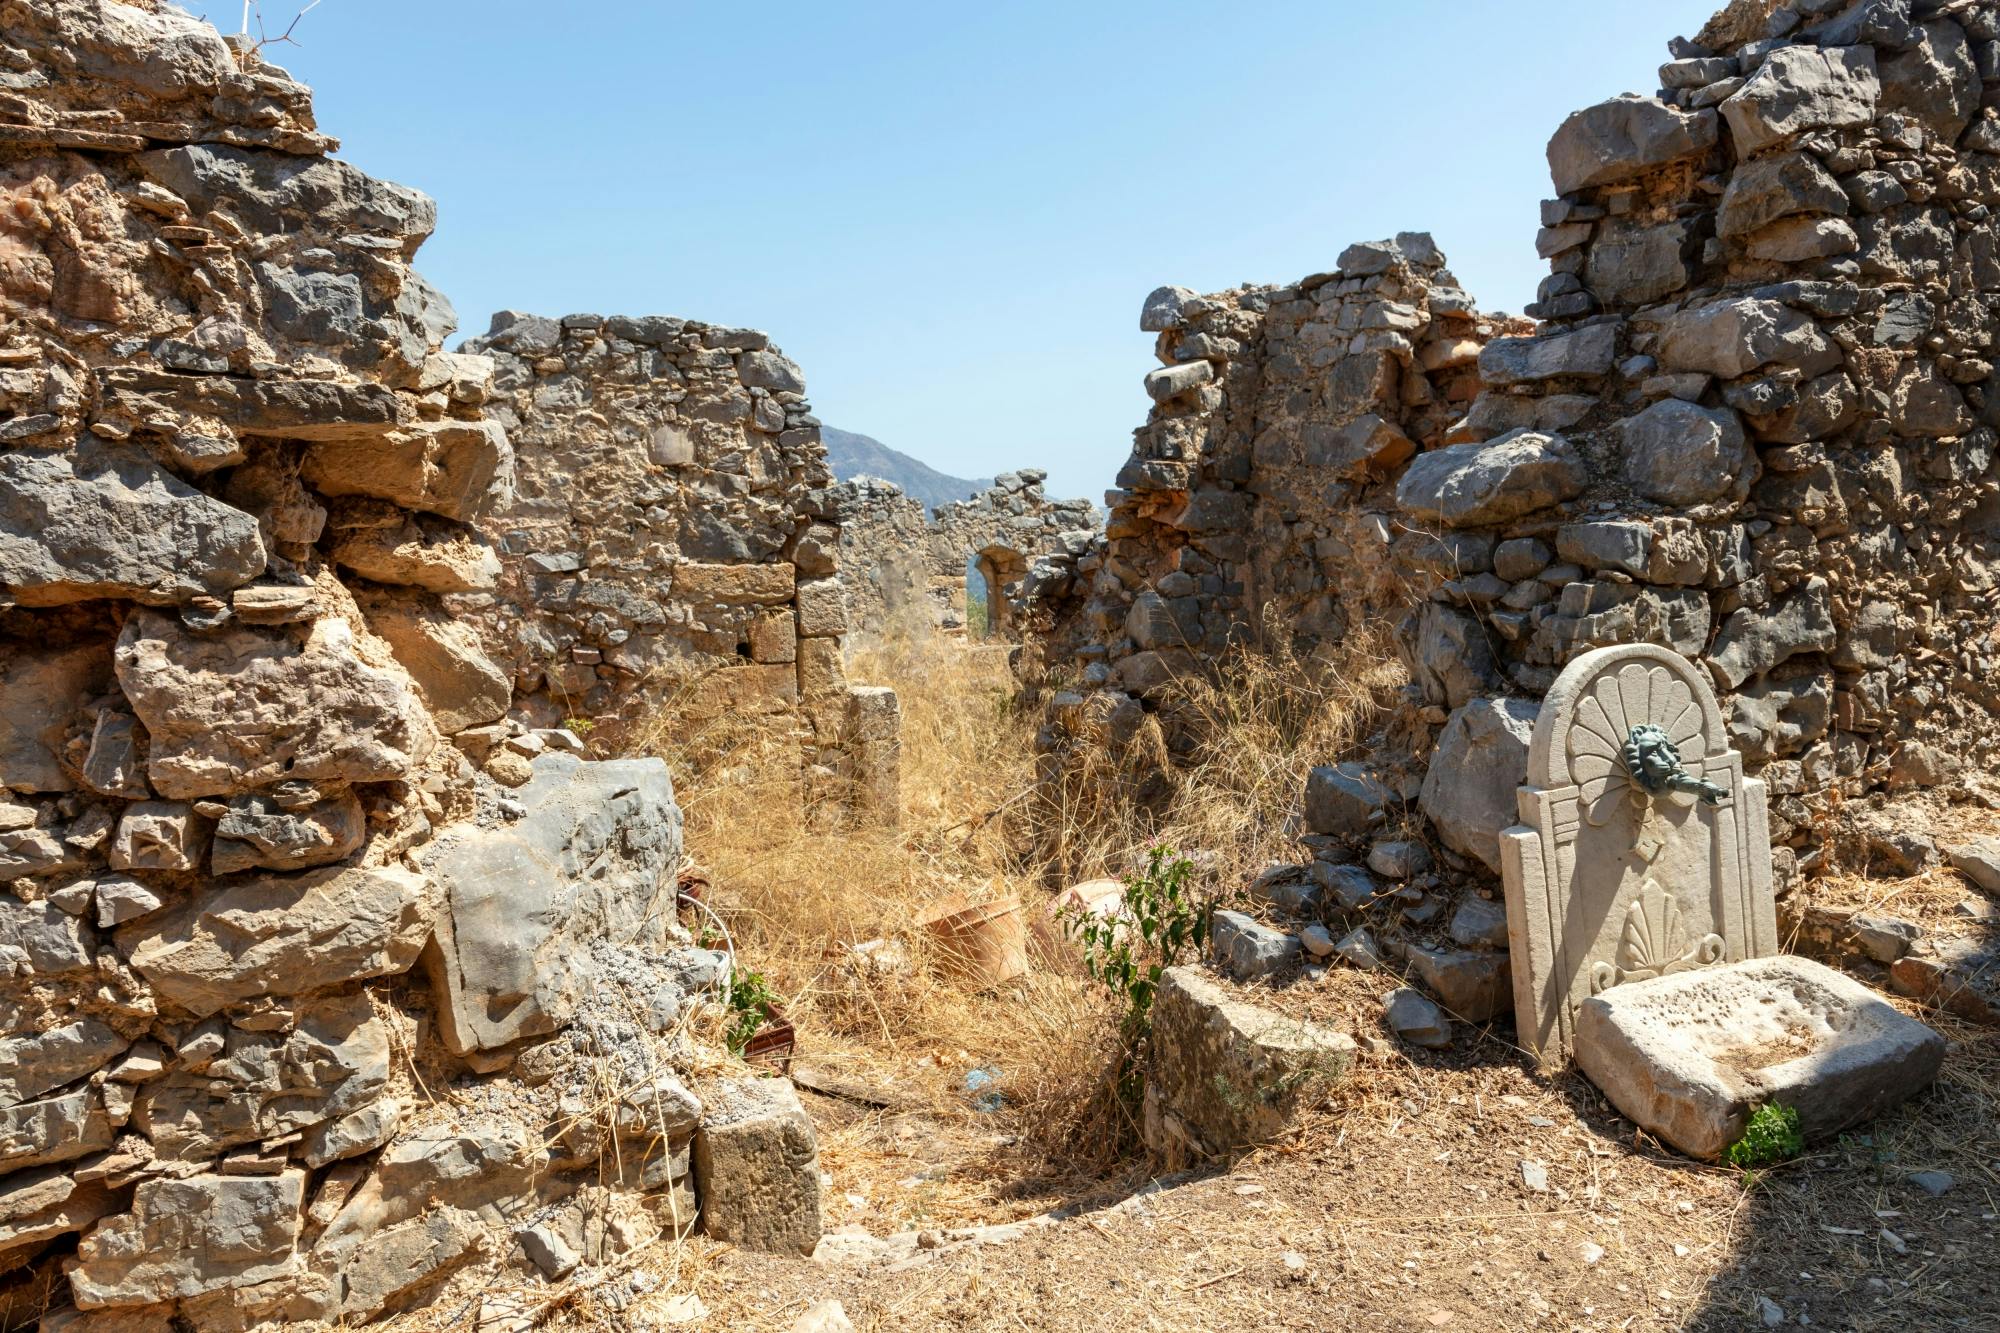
x,y
1801,88
590,858
1481,757
1678,453
756,1168
40,939
455,469
1344,800
187,1237
1625,138
58,1128
460,684
1229,1075
294,829
1691,1055
36,1063
1249,950
1585,353
1782,185
1753,640
413,550
1732,337
1469,485
1934,81
283,935
98,523
249,706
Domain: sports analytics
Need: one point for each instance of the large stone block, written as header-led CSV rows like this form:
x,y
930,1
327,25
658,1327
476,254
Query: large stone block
x,y
1228,1075
756,1168
1732,337
1691,1055
283,935
41,689
1585,353
1344,800
186,1237
94,523
257,1085
1468,791
590,858
460,684
1680,454
1801,88
456,469
1469,485
249,706
1624,138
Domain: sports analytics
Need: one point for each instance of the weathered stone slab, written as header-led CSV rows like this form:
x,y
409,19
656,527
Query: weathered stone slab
x,y
250,706
756,1168
284,935
1468,485
1229,1075
1689,1056
1624,138
456,469
186,1237
40,688
103,524
1247,949
1800,88
1609,883
517,898
1481,756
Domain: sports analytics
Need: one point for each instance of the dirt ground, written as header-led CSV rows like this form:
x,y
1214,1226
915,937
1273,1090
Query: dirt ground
x,y
1404,1205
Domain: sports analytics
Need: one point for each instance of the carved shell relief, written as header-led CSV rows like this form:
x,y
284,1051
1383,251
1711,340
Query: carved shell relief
x,y
1654,943
1619,701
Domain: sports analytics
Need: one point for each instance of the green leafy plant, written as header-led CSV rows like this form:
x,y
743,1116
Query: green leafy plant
x,y
750,1001
1771,1136
582,726
1162,921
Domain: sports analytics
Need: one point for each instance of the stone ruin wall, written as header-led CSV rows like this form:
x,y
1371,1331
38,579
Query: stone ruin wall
x,y
905,574
1755,425
668,559
307,1013
1258,499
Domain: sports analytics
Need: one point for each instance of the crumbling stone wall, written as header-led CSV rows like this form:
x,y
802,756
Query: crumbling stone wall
x,y
904,574
671,546
1258,502
294,989
1758,424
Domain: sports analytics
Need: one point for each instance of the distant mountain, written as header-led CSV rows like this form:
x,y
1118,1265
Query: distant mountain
x,y
852,456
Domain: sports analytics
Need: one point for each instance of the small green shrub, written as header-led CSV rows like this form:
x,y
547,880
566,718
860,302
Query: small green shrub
x,y
1771,1136
1163,921
750,1001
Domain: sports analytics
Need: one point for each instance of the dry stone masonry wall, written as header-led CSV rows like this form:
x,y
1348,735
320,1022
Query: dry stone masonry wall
x,y
672,542
906,574
305,1013
1757,426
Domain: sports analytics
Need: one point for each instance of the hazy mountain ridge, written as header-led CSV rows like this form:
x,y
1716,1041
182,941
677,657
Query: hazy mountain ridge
x,y
852,456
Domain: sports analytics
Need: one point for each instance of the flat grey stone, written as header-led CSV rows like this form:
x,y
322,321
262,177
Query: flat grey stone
x,y
1624,138
1415,1019
1800,88
1680,454
1468,791
1585,353
1247,949
1343,800
1479,923
1689,1056
1471,485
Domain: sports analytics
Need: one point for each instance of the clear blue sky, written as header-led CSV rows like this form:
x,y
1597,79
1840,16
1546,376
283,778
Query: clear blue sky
x,y
949,213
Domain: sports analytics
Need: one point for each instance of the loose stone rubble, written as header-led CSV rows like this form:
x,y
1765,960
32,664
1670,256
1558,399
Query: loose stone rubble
x,y
906,575
332,973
